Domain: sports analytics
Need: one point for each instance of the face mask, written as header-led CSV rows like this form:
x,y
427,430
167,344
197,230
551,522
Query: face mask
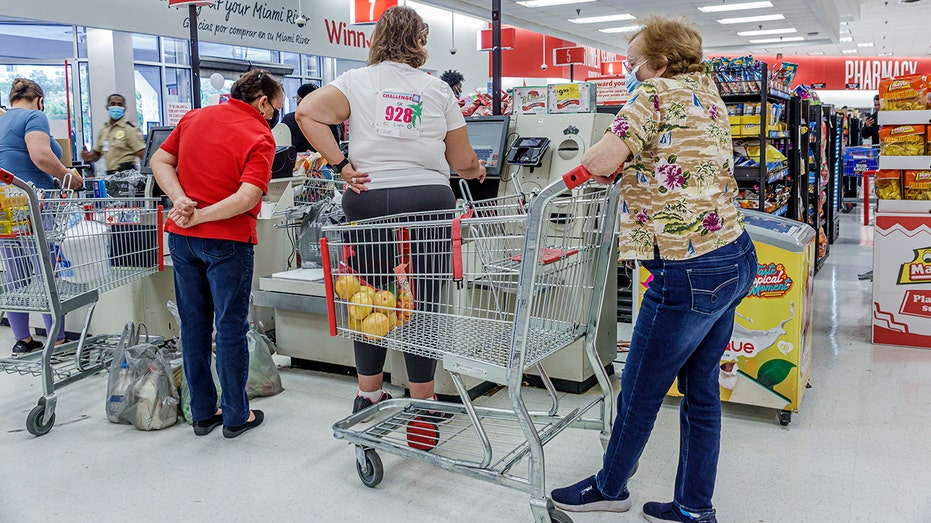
x,y
116,112
273,121
632,82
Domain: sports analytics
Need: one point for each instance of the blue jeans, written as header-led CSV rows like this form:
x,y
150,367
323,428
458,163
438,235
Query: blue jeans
x,y
685,323
213,279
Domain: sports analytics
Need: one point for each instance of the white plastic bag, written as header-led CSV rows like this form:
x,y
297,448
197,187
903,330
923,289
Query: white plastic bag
x,y
85,249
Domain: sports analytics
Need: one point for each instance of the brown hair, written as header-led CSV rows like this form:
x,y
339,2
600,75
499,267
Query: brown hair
x,y
254,84
399,36
24,89
673,42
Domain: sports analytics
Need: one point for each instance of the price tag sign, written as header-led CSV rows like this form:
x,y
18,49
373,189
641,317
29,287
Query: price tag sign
x,y
567,91
369,11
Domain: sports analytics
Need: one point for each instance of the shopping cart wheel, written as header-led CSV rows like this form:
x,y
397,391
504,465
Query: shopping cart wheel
x,y
372,471
785,417
34,421
558,516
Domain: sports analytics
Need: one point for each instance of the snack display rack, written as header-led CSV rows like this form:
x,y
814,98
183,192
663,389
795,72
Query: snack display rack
x,y
819,179
764,184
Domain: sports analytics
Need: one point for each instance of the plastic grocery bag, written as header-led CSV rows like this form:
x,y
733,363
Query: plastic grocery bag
x,y
151,399
264,379
85,249
186,391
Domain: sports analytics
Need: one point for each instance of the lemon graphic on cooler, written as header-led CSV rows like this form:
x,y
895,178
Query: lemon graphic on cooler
x,y
376,325
346,286
360,305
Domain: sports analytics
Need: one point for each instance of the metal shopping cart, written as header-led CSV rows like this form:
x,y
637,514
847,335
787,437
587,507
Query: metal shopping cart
x,y
59,254
491,292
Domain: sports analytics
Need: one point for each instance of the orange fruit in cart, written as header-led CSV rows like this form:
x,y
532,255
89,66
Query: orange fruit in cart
x,y
392,320
354,324
370,291
385,299
360,305
376,325
345,286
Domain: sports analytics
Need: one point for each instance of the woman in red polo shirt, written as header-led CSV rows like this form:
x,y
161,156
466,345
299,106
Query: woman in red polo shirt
x,y
215,167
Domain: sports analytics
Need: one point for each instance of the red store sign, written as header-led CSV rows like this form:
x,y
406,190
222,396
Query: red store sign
x,y
841,72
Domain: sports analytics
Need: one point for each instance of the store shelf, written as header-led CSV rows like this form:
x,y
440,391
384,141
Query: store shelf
x,y
905,162
774,96
780,211
752,174
904,117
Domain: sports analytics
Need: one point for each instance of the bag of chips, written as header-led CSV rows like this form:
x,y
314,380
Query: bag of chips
x,y
917,185
889,184
902,140
903,93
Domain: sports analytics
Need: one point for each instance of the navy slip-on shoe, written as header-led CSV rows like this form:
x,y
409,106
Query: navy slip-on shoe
x,y
585,497
655,512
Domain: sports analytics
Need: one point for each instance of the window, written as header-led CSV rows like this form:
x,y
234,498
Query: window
x,y
86,126
176,51
41,42
148,95
50,77
311,66
145,48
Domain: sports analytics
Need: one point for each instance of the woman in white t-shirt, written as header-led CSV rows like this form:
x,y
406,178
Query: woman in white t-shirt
x,y
407,131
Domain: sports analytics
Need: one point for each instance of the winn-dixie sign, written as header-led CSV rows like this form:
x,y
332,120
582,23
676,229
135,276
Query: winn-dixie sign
x,y
837,73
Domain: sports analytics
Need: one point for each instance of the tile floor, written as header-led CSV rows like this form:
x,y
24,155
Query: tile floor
x,y
859,450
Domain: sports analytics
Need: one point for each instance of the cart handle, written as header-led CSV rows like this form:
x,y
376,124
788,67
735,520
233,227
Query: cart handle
x,y
457,245
576,177
6,176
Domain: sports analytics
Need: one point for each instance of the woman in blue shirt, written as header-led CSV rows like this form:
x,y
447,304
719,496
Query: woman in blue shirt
x,y
28,151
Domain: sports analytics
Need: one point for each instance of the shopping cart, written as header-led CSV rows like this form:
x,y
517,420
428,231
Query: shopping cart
x,y
59,254
491,292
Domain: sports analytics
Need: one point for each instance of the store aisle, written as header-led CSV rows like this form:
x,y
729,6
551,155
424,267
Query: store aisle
x,y
858,450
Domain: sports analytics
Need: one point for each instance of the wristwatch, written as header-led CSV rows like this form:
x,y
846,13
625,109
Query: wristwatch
x,y
338,168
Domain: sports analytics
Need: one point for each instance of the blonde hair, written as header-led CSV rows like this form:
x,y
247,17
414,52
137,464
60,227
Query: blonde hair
x,y
673,42
399,36
24,89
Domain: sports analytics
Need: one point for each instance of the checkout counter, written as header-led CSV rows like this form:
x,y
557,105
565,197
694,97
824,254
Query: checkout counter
x,y
525,151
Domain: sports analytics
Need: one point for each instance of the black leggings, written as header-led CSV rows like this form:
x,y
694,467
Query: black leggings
x,y
370,359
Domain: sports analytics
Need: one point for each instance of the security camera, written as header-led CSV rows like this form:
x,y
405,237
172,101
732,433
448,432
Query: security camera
x,y
301,21
453,50
544,67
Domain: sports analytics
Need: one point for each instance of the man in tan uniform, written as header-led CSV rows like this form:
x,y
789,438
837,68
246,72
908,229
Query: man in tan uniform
x,y
119,142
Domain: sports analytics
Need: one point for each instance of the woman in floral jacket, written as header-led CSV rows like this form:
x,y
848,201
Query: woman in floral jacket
x,y
671,146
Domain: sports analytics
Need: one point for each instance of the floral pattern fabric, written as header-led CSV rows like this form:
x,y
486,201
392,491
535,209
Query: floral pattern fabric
x,y
678,186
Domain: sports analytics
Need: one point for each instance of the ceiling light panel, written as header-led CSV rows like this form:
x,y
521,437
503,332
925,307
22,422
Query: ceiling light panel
x,y
865,44
849,51
751,19
734,7
599,19
551,3
764,32
625,29
846,39
778,40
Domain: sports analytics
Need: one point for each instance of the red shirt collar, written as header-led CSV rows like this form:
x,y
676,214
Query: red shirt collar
x,y
248,109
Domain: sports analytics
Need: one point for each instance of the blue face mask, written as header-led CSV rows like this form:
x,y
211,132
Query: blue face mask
x,y
632,82
116,112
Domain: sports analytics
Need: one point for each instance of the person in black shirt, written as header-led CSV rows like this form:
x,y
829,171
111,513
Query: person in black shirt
x,y
298,140
870,127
